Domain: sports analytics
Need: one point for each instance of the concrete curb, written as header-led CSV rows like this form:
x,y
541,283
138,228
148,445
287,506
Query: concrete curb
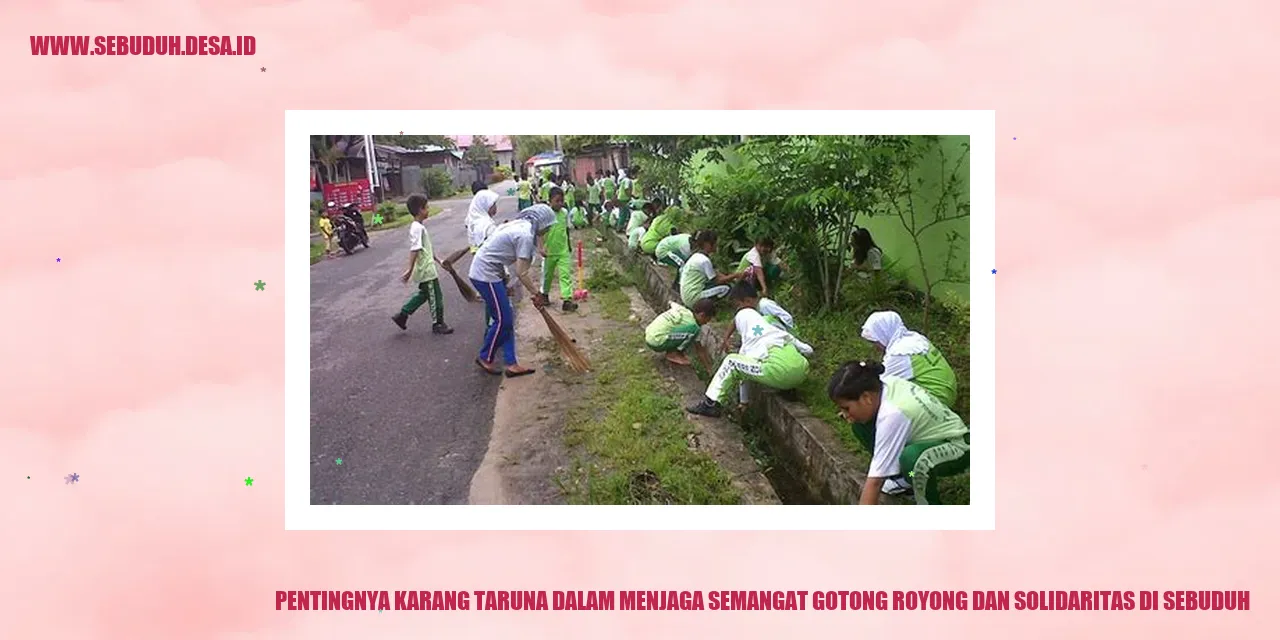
x,y
806,445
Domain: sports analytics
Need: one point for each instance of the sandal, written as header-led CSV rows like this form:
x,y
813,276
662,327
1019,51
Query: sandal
x,y
516,373
487,369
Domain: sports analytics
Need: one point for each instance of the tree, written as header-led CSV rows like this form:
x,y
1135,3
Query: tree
x,y
807,193
480,155
575,145
663,160
920,218
413,142
528,146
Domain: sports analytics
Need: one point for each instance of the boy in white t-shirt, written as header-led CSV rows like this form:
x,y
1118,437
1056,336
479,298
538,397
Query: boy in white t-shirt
x,y
768,356
698,277
422,270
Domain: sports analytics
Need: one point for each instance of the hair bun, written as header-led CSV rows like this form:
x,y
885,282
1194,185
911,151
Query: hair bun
x,y
877,367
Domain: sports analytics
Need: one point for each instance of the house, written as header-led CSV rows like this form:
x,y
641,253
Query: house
x,y
504,151
410,164
595,160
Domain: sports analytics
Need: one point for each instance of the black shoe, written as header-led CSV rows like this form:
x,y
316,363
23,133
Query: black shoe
x,y
706,407
441,329
569,305
400,320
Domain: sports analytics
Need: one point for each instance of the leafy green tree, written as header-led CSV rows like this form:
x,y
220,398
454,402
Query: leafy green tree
x,y
413,142
528,146
480,155
663,160
806,192
921,218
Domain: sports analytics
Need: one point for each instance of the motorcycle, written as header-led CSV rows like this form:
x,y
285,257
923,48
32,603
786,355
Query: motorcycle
x,y
348,234
352,213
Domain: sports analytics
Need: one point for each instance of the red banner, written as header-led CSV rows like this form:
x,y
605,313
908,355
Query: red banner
x,y
356,191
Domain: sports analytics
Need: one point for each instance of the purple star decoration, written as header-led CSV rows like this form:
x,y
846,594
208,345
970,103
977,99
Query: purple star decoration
x,y
73,478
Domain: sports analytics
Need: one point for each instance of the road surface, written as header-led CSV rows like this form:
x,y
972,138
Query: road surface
x,y
407,412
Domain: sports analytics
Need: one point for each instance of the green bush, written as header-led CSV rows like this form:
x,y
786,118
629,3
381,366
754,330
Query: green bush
x,y
499,174
437,183
390,210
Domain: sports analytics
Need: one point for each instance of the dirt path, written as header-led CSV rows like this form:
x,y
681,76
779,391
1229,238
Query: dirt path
x,y
536,451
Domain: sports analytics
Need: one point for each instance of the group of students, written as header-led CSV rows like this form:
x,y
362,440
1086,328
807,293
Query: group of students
x,y
900,409
500,252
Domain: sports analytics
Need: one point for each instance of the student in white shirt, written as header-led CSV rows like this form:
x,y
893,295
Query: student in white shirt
x,y
915,435
698,277
768,356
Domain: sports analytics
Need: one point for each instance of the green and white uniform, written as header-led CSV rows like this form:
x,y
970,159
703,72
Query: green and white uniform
x,y
559,261
673,330
544,192
673,251
633,238
578,217
769,356
610,187
696,273
776,315
917,436
637,218
659,229
910,356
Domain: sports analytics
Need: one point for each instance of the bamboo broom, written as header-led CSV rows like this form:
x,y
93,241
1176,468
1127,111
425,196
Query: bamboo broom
x,y
464,287
577,361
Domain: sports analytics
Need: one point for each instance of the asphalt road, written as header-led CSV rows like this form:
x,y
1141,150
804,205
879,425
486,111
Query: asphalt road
x,y
408,412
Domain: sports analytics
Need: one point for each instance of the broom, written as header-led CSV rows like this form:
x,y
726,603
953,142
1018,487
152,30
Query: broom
x,y
464,287
577,361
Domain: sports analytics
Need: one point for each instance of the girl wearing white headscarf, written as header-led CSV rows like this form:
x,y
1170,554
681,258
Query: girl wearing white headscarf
x,y
512,244
910,356
479,223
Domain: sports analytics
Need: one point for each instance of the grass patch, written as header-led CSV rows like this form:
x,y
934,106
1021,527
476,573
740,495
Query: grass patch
x,y
606,286
631,437
317,251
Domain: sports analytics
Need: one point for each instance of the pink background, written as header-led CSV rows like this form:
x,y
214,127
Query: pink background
x,y
1138,224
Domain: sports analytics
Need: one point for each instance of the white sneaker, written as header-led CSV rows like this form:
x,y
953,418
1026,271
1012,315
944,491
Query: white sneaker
x,y
895,486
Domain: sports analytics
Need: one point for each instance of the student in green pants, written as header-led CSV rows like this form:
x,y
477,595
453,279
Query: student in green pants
x,y
609,186
593,197
768,356
524,193
675,330
422,270
915,435
557,258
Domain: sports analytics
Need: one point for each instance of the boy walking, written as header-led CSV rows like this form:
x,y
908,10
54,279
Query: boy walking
x,y
422,271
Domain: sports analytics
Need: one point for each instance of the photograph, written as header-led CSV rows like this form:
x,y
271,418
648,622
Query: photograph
x,y
639,320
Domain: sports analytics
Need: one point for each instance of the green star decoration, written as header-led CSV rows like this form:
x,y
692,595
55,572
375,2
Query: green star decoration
x,y
339,462
377,218
259,285
911,474
248,482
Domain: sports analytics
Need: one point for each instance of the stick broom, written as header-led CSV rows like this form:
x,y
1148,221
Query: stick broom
x,y
577,361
